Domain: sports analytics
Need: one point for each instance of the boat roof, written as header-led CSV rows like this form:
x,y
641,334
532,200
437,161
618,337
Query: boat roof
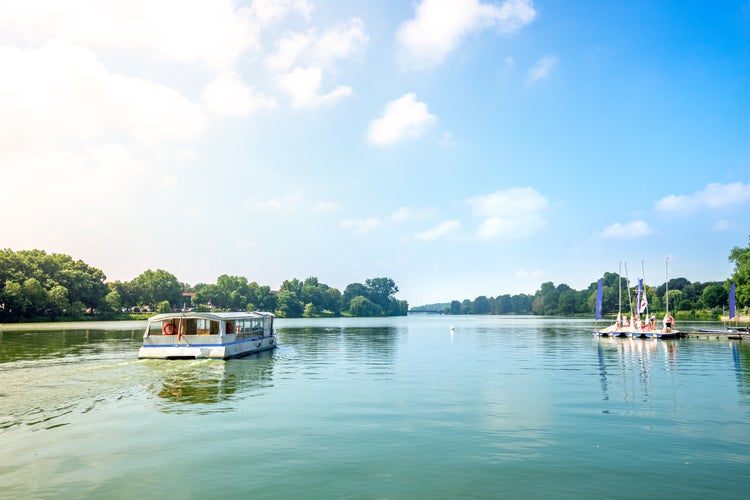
x,y
216,316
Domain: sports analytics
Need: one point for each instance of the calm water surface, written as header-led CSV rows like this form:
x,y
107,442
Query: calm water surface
x,y
376,408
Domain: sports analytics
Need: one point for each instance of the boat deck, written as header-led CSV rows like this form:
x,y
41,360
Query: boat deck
x,y
645,334
698,334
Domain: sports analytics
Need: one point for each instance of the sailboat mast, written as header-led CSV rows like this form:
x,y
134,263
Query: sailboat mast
x,y
666,293
619,292
627,287
643,273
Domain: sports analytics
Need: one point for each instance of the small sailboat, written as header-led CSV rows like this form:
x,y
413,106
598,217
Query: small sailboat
x,y
622,326
648,328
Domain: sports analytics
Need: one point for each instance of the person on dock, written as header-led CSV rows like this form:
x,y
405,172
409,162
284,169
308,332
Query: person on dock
x,y
668,321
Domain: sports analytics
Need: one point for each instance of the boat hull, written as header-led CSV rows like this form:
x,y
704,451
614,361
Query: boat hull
x,y
639,334
197,347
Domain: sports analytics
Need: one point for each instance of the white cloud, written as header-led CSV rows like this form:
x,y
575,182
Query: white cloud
x,y
213,34
59,188
361,226
271,11
407,214
289,49
322,50
288,202
511,213
631,230
713,196
439,26
227,95
541,70
327,206
445,228
303,86
60,93
405,118
312,54
341,42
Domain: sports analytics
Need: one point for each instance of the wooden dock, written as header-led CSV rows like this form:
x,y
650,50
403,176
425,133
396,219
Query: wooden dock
x,y
718,334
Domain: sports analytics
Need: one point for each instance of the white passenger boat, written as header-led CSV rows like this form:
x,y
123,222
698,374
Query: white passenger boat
x,y
193,335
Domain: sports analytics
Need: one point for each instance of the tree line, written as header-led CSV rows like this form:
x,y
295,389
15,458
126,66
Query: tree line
x,y
562,300
35,285
551,300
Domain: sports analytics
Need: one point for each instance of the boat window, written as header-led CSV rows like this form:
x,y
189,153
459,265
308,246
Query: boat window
x,y
202,326
189,327
247,327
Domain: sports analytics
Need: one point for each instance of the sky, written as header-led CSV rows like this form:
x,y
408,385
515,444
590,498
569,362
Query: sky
x,y
460,147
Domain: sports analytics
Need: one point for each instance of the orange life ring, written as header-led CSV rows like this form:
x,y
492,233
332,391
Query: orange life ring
x,y
168,329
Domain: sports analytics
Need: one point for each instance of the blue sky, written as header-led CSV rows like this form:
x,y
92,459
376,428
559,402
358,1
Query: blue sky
x,y
462,148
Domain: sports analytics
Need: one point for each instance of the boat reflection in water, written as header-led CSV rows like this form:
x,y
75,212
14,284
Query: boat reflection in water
x,y
633,364
214,384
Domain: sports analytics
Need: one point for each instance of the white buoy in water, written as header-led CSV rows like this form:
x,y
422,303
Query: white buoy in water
x,y
452,328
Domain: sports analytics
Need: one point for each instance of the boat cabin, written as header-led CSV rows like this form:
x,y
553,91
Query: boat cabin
x,y
194,335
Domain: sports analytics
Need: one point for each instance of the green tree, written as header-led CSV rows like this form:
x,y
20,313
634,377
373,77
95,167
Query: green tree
x,y
677,302
364,307
481,305
504,304
521,303
740,257
264,299
35,297
157,286
381,291
714,295
455,307
126,291
58,301
289,306
113,300
208,295
352,290
38,274
13,300
545,299
310,310
567,303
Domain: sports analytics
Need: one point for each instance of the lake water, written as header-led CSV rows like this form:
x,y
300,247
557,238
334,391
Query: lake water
x,y
500,407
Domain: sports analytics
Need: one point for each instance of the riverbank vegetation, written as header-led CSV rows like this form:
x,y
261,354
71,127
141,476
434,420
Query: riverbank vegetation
x,y
687,300
37,286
